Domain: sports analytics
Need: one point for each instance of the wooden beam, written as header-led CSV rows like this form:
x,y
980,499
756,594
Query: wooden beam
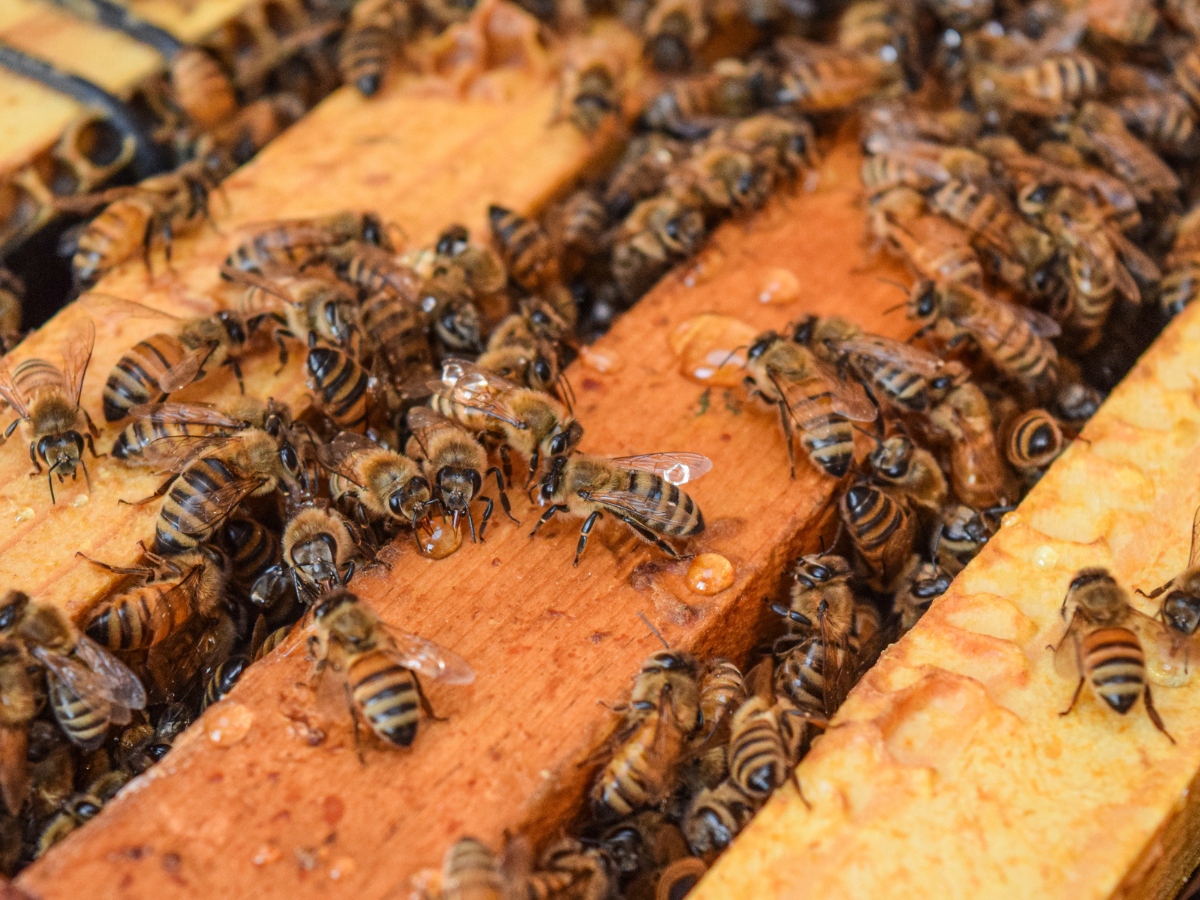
x,y
950,771
282,804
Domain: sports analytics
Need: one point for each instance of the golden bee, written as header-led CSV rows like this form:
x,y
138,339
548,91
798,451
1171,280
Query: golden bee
x,y
720,180
324,306
810,397
823,79
380,666
963,421
641,172
46,400
913,470
716,816
1181,282
156,421
1103,644
960,535
398,332
722,690
821,597
658,232
455,464
935,249
673,31
1099,132
286,246
1034,441
12,299
89,688
372,268
641,491
526,249
339,383
533,424
691,106
20,699
383,484
470,871
202,88
882,527
781,146
758,759
376,29
319,548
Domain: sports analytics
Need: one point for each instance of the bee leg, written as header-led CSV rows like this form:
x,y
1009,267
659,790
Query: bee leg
x,y
504,504
92,429
1155,717
91,445
425,704
237,372
280,334
547,516
1075,698
37,466
583,534
354,719
505,461
787,435
162,489
487,514
651,538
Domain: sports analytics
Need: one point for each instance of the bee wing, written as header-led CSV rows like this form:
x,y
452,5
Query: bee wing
x,y
674,468
338,453
255,280
848,397
121,686
1194,553
891,352
1136,261
76,354
1041,324
226,499
1066,654
186,414
176,451
186,370
12,394
476,388
113,308
427,658
627,503
422,418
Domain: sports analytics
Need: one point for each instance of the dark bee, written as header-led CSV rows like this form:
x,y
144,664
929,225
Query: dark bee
x,y
286,246
526,249
340,384
882,528
376,29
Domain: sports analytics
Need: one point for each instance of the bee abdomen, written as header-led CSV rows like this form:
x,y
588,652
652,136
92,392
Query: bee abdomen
x,y
801,675
341,384
83,723
387,696
1180,285
134,379
756,759
1116,666
123,623
183,522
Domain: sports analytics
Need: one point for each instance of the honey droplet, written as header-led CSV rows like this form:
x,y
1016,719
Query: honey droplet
x,y
712,348
709,573
227,724
342,867
25,514
779,286
1045,557
1011,519
704,267
438,538
81,500
602,361
266,854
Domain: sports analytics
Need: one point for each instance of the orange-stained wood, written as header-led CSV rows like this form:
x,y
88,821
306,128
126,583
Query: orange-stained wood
x,y
266,797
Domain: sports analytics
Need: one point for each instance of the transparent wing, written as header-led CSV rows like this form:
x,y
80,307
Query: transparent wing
x,y
427,658
1066,654
1042,324
422,418
255,280
121,686
10,392
173,453
476,388
988,326
186,370
674,468
1134,258
338,455
76,354
186,414
1194,553
112,308
892,352
627,503
224,500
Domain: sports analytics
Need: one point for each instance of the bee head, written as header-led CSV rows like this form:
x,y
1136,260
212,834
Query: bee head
x,y
804,330
553,479
458,326
761,344
923,304
892,458
565,439
457,487
373,231
406,502
1088,577
316,558
333,601
12,607
62,452
234,325
453,240
817,569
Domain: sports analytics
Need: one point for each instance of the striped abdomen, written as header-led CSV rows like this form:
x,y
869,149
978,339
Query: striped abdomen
x,y
253,548
134,379
288,246
682,515
471,872
1115,666
1092,290
131,443
367,46
1035,440
976,210
84,722
826,435
524,247
638,774
399,329
139,618
881,528
111,238
386,695
721,691
716,816
824,85
757,763
1020,352
800,676
902,386
470,419
374,269
1180,284
202,89
186,518
340,384
1061,77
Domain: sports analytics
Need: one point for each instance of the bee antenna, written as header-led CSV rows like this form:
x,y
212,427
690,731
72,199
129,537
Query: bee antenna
x,y
892,309
893,283
653,630
937,537
732,354
87,479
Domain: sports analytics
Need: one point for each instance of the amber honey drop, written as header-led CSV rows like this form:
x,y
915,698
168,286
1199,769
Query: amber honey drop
x,y
779,286
709,573
603,361
438,538
712,349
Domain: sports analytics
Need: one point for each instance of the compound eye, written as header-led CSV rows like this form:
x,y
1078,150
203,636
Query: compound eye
x,y
926,303
396,503
291,460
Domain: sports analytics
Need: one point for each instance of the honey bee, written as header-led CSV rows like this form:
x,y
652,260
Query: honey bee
x,y
692,106
780,146
641,172
1034,441
811,398
822,79
215,474
202,88
641,770
453,462
758,759
481,267
319,548
373,269
470,871
1043,83
526,249
80,808
399,331
821,597
935,249
375,30
593,88
977,470
1180,609
46,400
20,700
1099,132
579,226
380,665
923,583
156,421
567,868
882,527
720,180
523,347
163,363
960,536
324,306
1103,644
191,584
1014,338
533,424
223,679
89,688
673,31
12,299
340,385
900,372
716,816
722,691
641,491
1164,119
450,304
920,165
382,483
657,233
1076,402
288,245
677,879
1181,282
912,470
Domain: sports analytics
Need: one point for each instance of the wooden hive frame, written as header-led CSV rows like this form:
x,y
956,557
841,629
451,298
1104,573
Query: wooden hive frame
x,y
266,795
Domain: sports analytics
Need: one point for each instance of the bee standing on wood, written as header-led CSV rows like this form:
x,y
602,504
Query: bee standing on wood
x,y
46,399
641,491
379,666
288,245
1103,644
1180,609
376,30
384,484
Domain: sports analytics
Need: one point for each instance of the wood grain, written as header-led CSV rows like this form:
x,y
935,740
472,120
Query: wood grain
x,y
273,815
